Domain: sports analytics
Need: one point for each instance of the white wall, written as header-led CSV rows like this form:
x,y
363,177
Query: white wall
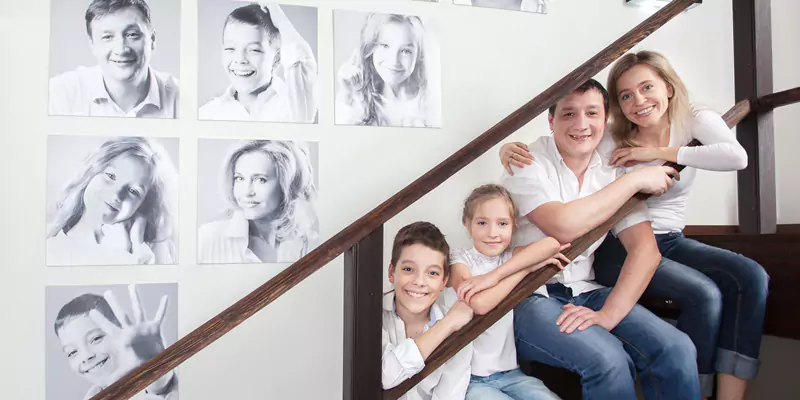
x,y
292,349
786,75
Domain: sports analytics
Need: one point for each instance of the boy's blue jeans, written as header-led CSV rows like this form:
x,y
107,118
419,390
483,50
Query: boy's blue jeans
x,y
722,296
508,385
607,361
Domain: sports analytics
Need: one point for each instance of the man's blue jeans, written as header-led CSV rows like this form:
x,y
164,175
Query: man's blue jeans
x,y
607,361
722,296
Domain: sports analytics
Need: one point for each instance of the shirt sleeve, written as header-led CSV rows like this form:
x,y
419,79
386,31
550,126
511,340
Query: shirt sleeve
x,y
720,151
637,215
300,70
399,362
530,187
455,376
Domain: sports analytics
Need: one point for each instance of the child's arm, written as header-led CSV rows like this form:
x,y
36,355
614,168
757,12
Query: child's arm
x,y
524,258
408,358
487,300
458,316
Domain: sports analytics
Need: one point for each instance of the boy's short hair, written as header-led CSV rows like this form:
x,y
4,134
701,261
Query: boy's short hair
x,y
80,306
100,8
426,234
583,88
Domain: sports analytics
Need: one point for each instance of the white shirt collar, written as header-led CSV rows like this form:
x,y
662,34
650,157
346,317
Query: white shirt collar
x,y
99,92
388,305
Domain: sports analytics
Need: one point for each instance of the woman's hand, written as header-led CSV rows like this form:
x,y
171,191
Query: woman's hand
x,y
630,156
515,153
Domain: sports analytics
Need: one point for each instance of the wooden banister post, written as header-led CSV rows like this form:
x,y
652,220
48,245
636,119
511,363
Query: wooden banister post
x,y
363,294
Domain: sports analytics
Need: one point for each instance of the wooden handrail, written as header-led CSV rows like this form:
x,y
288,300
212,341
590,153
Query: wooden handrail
x,y
450,346
142,376
778,99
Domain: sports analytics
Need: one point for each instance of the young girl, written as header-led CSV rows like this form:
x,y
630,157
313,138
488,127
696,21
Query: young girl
x,y
271,69
484,275
385,81
269,187
118,209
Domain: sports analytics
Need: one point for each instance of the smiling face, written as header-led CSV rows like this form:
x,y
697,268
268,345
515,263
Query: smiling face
x,y
418,278
122,42
115,194
247,56
491,226
578,123
255,185
89,350
395,54
644,96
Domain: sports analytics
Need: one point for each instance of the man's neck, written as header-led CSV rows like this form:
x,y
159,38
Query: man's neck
x,y
128,94
578,166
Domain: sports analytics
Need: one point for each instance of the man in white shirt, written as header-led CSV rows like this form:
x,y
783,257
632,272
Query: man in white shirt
x,y
122,83
413,325
572,322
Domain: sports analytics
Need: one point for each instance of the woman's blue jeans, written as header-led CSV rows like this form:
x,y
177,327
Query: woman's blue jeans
x,y
722,296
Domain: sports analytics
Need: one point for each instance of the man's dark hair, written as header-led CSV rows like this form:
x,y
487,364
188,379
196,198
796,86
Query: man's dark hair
x,y
583,88
424,233
100,8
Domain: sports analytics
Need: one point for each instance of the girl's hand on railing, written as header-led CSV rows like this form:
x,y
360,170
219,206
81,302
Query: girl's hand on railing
x,y
476,284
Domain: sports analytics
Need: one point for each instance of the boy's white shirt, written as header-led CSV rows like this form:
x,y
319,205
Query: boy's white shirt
x,y
402,359
494,350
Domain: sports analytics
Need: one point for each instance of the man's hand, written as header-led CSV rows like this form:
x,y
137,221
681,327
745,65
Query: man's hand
x,y
581,318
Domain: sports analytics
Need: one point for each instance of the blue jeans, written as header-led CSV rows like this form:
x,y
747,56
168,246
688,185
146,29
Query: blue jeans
x,y
722,296
607,361
508,385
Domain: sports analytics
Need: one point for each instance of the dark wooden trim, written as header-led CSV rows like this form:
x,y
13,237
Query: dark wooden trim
x,y
363,286
727,230
779,99
752,49
231,317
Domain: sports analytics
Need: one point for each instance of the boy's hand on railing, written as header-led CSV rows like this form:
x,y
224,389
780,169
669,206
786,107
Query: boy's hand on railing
x,y
459,315
476,284
515,153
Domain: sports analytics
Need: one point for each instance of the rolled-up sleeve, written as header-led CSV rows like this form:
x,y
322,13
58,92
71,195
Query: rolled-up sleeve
x,y
399,362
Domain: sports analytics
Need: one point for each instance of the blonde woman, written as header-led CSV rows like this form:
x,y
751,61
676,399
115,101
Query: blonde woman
x,y
385,81
119,208
722,294
269,188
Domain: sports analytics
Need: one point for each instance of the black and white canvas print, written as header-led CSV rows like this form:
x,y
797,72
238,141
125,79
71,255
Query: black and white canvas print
x,y
258,62
111,200
257,201
534,6
114,58
388,70
96,334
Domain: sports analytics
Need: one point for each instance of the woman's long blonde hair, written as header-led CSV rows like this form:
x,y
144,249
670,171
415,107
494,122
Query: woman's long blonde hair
x,y
679,109
297,216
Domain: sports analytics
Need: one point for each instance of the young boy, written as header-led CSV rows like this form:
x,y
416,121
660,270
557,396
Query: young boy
x,y
101,348
413,325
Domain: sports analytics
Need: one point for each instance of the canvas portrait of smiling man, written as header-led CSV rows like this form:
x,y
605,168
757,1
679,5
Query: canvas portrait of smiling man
x,y
114,58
